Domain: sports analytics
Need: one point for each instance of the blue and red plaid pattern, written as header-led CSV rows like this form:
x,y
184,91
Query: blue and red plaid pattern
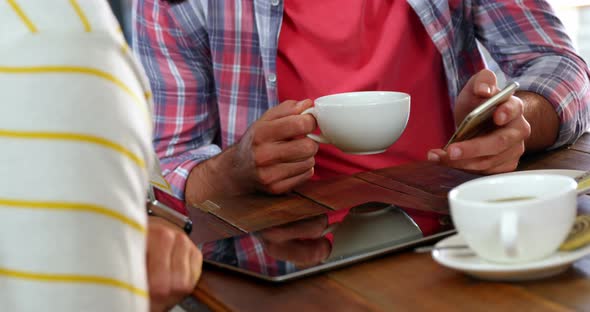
x,y
212,65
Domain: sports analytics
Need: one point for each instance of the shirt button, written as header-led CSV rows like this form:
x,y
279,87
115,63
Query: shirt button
x,y
272,78
275,2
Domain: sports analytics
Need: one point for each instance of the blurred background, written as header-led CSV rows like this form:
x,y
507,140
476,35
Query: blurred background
x,y
575,15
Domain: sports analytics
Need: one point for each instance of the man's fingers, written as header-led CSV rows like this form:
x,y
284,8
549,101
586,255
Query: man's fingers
x,y
508,111
503,167
160,245
436,155
285,152
196,263
182,279
493,143
483,83
284,128
270,175
285,109
506,161
479,88
282,186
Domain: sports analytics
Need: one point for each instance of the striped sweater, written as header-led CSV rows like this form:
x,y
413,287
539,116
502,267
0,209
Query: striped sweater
x,y
75,142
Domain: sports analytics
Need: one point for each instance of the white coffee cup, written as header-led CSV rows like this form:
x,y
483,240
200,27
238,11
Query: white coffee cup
x,y
361,122
514,218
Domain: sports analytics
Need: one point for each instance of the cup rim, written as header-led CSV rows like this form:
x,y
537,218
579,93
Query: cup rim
x,y
453,194
404,97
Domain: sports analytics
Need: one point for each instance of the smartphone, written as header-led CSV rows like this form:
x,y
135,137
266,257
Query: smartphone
x,y
480,119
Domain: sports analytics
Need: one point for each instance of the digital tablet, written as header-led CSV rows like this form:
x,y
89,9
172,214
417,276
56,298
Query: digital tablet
x,y
319,243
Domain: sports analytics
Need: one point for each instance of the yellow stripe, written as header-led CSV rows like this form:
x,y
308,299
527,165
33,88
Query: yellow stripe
x,y
21,14
161,186
56,205
124,48
70,278
63,136
76,70
81,15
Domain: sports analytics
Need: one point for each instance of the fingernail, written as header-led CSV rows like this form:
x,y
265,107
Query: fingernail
x,y
484,88
300,103
502,117
455,153
433,157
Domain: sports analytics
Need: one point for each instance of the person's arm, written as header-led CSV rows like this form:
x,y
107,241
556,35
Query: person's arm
x,y
531,46
539,112
76,140
179,69
272,156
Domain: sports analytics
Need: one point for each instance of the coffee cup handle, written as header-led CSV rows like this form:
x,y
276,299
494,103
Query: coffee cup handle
x,y
320,138
509,232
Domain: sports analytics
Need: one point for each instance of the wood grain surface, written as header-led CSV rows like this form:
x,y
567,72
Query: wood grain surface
x,y
402,281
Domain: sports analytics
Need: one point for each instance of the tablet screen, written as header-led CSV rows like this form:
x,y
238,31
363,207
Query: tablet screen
x,y
319,243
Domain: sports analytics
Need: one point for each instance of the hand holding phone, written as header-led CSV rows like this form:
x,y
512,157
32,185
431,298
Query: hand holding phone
x,y
480,119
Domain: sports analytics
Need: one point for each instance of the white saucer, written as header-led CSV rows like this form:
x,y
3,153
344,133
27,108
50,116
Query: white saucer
x,y
466,261
565,172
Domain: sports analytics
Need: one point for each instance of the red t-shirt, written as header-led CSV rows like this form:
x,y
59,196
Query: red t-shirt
x,y
333,46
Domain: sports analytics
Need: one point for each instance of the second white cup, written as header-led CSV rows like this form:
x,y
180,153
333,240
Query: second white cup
x,y
361,123
514,218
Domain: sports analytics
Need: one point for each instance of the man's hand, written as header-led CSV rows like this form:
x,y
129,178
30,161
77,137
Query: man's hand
x,y
173,264
273,156
494,152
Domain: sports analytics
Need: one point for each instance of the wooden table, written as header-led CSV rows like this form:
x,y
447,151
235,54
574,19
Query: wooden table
x,y
395,282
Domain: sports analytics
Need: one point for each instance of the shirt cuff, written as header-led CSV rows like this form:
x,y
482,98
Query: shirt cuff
x,y
566,101
176,169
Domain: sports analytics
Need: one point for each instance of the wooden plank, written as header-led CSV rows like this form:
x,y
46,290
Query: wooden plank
x,y
561,159
570,289
403,281
409,281
424,178
224,291
583,144
258,211
350,191
207,227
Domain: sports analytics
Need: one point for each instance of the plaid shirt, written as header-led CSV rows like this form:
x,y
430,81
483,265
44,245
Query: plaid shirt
x,y
212,65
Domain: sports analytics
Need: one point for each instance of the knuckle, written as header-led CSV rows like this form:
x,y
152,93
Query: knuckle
x,y
163,234
309,147
197,255
309,163
482,165
521,149
300,125
275,189
183,284
159,288
519,104
261,157
513,166
184,242
526,129
262,177
304,124
253,134
265,177
503,140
